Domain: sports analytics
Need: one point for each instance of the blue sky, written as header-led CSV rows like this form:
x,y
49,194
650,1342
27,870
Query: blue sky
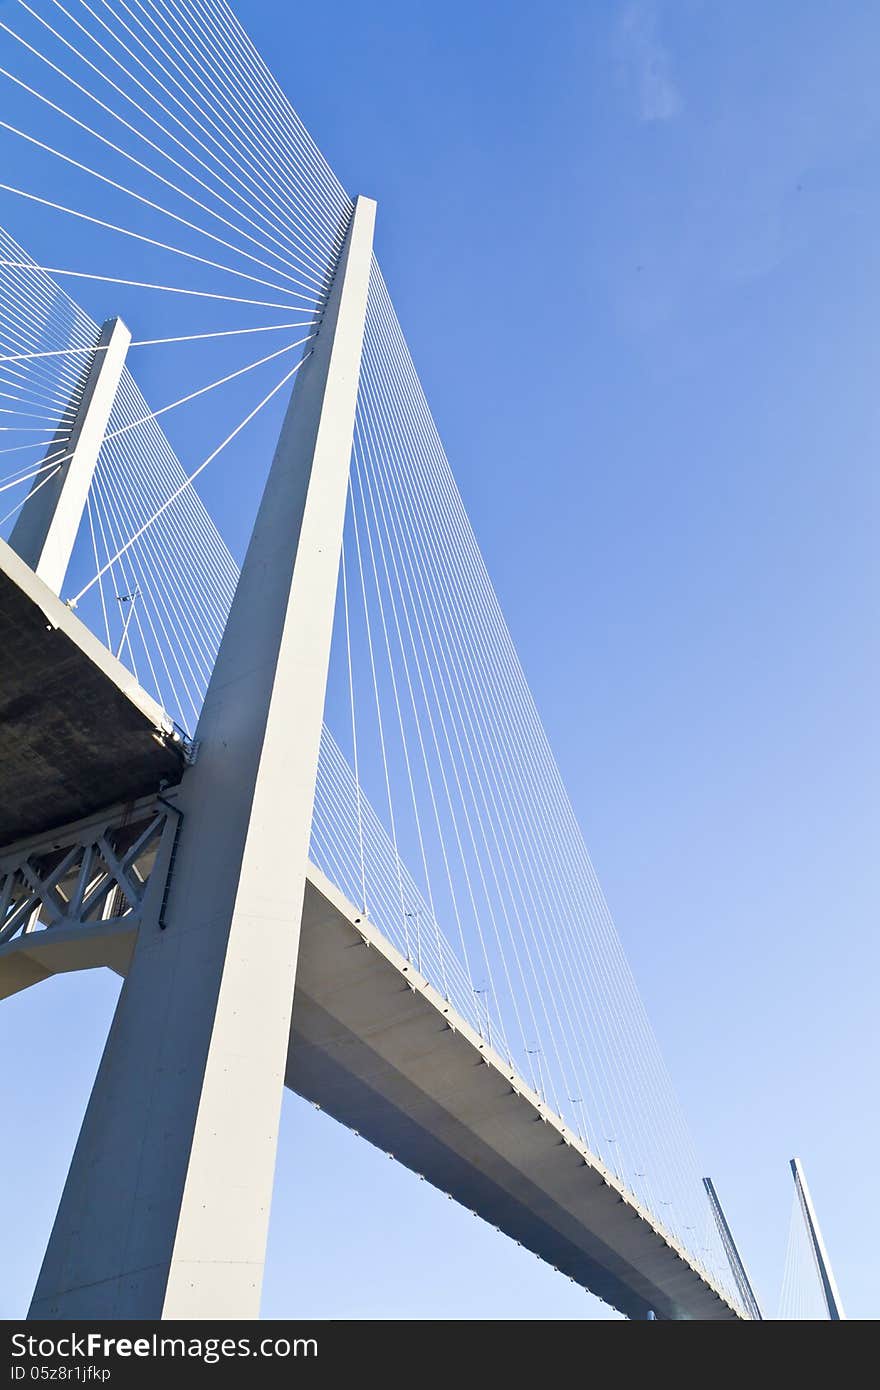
x,y
634,250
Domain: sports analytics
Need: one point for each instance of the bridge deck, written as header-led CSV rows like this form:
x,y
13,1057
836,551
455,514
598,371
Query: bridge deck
x,y
77,732
377,1047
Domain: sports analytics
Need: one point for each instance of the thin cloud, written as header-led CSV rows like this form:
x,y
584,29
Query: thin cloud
x,y
647,64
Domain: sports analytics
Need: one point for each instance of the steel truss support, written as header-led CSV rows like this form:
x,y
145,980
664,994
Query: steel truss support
x,y
92,871
64,893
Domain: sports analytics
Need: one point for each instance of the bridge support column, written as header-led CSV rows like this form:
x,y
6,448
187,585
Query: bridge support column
x,y
46,527
731,1250
830,1292
166,1206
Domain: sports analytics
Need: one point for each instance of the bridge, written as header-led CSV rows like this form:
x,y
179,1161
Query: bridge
x,y
306,810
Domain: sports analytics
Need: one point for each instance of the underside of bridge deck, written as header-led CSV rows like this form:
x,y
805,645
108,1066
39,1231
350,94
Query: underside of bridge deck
x,y
77,732
381,1050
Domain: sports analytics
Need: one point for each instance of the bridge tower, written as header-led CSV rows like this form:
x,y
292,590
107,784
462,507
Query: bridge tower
x,y
166,1206
731,1249
185,868
46,528
830,1292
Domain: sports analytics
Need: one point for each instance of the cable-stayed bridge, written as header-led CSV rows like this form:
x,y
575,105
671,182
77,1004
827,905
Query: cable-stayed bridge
x,y
307,809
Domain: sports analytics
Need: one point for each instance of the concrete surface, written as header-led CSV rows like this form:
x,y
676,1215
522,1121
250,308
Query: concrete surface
x,y
77,732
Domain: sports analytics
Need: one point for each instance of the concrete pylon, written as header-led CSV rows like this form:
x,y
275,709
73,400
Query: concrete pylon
x,y
166,1207
734,1258
830,1291
45,529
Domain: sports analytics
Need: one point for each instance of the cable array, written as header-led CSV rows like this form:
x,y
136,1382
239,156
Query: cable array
x,y
435,716
801,1298
38,395
158,132
439,810
342,817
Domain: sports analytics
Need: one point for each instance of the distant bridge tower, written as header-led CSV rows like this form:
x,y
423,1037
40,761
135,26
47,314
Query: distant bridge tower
x,y
47,524
737,1265
830,1292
